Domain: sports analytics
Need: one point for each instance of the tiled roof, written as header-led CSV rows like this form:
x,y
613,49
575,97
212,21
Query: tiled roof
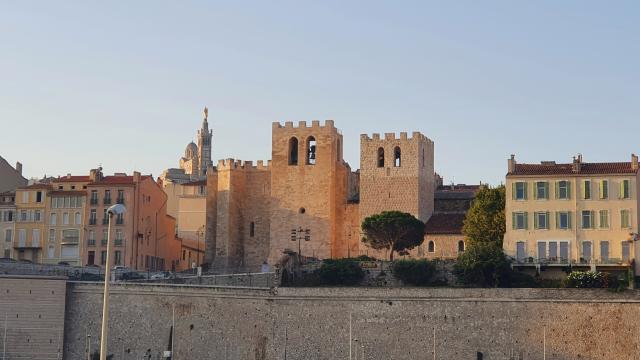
x,y
36,186
118,180
73,178
444,224
567,169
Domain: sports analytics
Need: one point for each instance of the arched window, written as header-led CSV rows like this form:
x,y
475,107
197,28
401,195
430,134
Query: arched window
x,y
380,157
461,246
396,156
311,150
432,246
293,151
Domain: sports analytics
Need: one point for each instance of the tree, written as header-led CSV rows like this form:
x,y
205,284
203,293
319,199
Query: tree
x,y
392,230
483,264
485,220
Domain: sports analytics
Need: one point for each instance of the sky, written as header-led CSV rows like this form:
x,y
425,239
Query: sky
x,y
123,83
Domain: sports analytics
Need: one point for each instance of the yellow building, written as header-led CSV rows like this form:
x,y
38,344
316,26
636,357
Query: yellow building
x,y
579,214
30,204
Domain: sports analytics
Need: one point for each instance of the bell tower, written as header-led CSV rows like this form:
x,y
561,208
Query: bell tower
x,y
204,145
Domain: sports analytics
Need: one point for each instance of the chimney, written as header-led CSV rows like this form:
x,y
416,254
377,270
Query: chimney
x,y
577,164
512,163
136,177
634,161
68,175
19,167
95,174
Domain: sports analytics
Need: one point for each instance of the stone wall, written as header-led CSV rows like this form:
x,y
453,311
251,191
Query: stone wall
x,y
313,323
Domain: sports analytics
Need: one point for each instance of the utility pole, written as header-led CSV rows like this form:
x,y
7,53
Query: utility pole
x,y
544,343
349,335
434,343
4,339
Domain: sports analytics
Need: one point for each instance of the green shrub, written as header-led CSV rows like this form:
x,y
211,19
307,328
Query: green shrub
x,y
414,272
518,279
483,265
340,272
594,279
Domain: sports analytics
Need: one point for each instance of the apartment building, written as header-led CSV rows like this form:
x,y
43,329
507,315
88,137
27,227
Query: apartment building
x,y
7,222
580,214
30,202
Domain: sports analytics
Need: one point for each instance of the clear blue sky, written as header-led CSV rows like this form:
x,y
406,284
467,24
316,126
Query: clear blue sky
x,y
124,83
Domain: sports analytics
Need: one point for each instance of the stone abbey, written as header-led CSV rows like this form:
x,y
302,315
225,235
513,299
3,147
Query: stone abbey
x,y
307,197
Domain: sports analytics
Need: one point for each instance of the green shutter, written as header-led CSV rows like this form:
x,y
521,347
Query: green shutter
x,y
568,190
621,194
601,187
535,220
513,190
546,190
513,220
557,189
526,192
569,220
548,220
526,220
535,190
557,220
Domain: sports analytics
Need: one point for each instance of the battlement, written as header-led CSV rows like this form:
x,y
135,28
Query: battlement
x,y
375,137
233,164
315,124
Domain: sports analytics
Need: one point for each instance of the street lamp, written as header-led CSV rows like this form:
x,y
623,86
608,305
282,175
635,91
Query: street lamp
x,y
117,209
200,233
298,235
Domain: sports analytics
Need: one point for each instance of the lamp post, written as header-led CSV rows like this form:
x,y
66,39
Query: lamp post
x,y
117,209
298,235
200,234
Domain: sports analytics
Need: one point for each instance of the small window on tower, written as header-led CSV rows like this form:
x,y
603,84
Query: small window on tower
x,y
293,151
380,157
252,229
396,156
311,150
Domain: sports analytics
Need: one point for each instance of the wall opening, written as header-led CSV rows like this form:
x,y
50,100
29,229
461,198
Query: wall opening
x,y
293,151
461,246
396,156
380,157
311,150
252,229
431,247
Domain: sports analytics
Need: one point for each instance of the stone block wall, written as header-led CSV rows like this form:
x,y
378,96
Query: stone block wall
x,y
313,323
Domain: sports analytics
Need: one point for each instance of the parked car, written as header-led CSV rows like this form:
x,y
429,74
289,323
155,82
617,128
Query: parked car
x,y
132,275
63,263
7,259
162,276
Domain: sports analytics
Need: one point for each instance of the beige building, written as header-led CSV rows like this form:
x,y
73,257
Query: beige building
x,y
30,204
579,214
7,222
10,177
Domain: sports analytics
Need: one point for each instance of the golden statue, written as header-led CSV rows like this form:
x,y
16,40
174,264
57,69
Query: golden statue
x,y
206,112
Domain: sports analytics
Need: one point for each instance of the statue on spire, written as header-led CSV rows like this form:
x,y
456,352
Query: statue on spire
x,y
206,113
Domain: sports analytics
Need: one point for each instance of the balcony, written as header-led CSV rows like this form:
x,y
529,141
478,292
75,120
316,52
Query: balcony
x,y
107,201
103,242
105,221
93,201
93,221
120,201
91,242
70,240
557,261
117,242
119,221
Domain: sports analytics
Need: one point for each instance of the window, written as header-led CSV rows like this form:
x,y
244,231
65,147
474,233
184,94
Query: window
x,y
563,190
119,237
520,251
71,236
53,219
293,151
23,215
35,237
604,251
542,190
604,189
380,157
9,216
51,253
78,219
8,235
52,235
65,218
542,251
91,240
461,246
563,220
553,251
311,150
625,219
564,251
119,219
104,236
396,156
73,201
25,197
586,251
520,190
252,229
604,219
431,247
91,258
541,220
120,199
103,257
626,250
92,217
67,202
586,189
36,215
520,221
587,219
22,236
39,196
117,257
94,197
625,190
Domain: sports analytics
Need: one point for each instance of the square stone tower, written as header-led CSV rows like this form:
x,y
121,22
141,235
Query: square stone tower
x,y
396,174
308,189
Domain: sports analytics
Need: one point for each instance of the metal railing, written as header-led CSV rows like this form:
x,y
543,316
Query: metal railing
x,y
91,242
107,201
93,221
566,261
120,201
93,201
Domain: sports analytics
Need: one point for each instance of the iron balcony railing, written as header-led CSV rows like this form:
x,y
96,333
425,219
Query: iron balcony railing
x,y
120,201
93,201
565,261
93,221
117,242
105,221
91,242
107,201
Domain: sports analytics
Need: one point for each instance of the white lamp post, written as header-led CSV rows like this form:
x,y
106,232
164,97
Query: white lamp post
x,y
117,209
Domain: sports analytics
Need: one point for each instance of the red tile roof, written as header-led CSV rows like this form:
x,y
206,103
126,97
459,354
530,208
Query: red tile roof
x,y
567,169
118,180
440,224
72,178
